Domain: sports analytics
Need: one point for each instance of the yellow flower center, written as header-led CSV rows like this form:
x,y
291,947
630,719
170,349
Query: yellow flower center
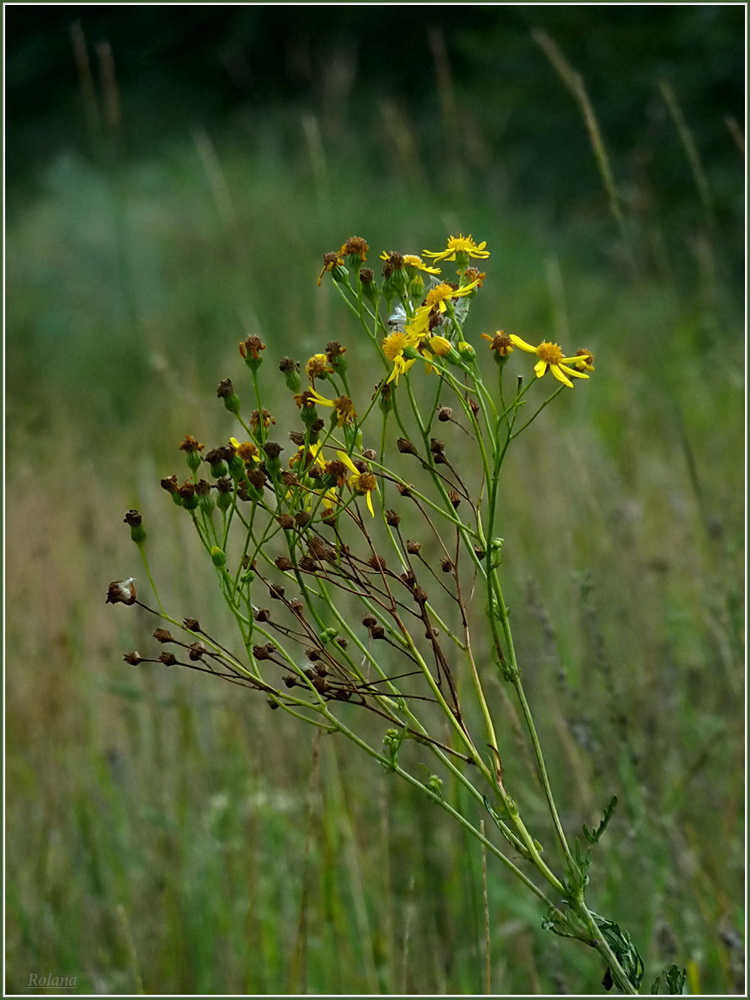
x,y
551,353
437,294
393,345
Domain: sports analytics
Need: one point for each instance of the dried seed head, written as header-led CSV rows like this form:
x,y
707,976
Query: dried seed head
x,y
355,246
376,562
276,592
262,615
413,547
169,659
256,478
284,563
133,658
170,485
446,565
251,347
377,632
368,621
121,592
454,498
405,446
445,413
197,649
263,652
392,518
163,635
285,521
272,449
192,624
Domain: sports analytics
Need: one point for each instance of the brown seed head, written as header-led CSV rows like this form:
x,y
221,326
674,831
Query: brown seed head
x,y
251,348
190,444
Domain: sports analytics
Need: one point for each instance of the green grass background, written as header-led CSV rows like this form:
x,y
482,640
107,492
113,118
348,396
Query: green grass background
x,y
167,835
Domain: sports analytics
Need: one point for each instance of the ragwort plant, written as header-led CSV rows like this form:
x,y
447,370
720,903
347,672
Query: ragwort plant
x,y
296,543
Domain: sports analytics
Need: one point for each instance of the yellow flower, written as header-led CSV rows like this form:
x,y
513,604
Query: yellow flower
x,y
459,248
440,294
585,362
551,356
345,412
247,451
361,483
393,349
331,261
318,367
397,261
501,343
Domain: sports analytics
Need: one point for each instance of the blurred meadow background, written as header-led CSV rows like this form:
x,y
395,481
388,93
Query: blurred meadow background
x,y
173,176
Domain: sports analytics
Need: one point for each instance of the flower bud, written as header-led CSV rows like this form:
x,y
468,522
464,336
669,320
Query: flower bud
x,y
218,556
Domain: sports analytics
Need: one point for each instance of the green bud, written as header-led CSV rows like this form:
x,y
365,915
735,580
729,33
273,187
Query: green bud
x,y
340,275
328,635
309,415
224,501
218,556
467,352
236,467
415,288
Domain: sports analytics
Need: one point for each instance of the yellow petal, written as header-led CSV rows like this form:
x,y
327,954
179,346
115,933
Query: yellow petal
x,y
522,344
343,457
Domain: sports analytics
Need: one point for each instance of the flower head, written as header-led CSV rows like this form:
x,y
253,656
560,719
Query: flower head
x,y
500,343
551,356
459,248
343,406
438,296
318,367
355,249
394,346
361,483
407,260
246,450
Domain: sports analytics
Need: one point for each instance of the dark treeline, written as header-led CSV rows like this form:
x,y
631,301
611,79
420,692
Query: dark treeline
x,y
229,68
